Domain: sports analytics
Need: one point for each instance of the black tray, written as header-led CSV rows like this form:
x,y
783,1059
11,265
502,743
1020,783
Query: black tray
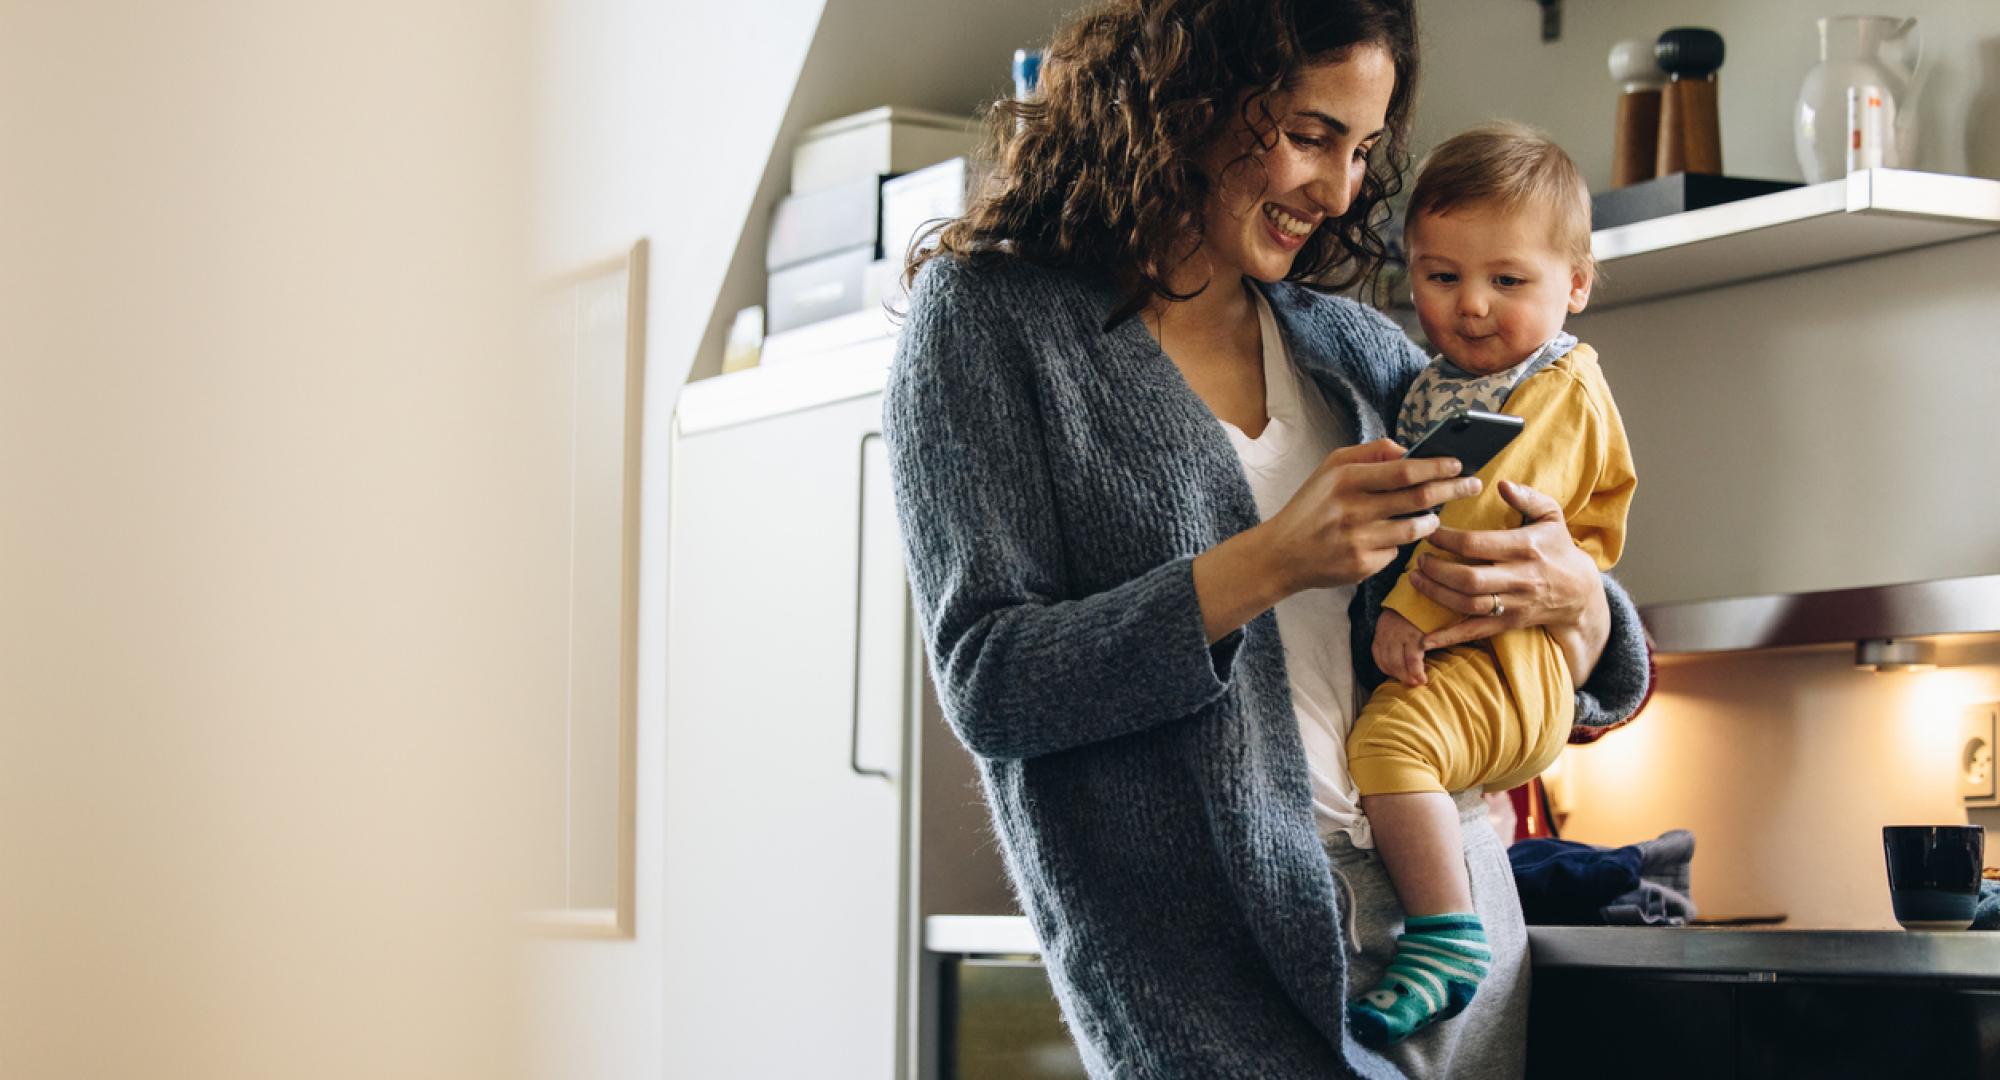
x,y
1672,194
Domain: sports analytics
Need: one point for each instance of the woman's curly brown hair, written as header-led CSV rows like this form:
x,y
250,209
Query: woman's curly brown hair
x,y
1102,168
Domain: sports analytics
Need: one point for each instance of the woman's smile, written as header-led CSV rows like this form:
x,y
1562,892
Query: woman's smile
x,y
1291,222
1284,229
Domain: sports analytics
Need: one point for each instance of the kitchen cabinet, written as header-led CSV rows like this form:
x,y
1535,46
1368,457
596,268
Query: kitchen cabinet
x,y
1753,1004
818,807
1968,605
1751,1027
789,664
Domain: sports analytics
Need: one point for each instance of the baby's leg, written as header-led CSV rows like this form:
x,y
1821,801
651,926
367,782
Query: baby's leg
x,y
1442,955
1416,833
1409,746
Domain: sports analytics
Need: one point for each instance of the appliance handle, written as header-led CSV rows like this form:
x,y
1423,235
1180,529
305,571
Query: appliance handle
x,y
860,619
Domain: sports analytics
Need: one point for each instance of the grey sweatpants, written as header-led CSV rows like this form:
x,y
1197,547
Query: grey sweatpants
x,y
1489,1040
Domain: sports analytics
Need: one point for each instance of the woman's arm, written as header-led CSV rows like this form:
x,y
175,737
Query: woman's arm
x,y
1022,667
1342,525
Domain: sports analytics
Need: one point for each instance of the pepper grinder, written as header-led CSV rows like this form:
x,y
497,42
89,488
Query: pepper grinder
x,y
1690,134
1636,139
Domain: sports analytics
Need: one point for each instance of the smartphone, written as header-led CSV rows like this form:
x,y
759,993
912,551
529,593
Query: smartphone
x,y
1471,436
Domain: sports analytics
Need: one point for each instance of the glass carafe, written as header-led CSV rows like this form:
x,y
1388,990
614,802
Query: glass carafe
x,y
1858,105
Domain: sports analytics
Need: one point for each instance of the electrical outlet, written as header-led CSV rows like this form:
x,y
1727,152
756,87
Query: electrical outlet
x,y
1978,727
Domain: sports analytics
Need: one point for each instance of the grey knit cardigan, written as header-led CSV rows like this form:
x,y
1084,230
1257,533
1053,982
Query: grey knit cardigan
x,y
1055,481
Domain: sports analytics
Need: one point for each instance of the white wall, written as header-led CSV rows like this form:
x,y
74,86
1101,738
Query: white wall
x,y
1820,430
675,122
656,121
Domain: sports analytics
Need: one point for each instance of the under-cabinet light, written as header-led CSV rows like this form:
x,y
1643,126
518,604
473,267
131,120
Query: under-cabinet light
x,y
1894,654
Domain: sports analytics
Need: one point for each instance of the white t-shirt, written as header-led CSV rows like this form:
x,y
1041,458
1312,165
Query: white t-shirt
x,y
1302,431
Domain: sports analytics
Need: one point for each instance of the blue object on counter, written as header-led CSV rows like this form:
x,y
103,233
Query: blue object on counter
x,y
1563,882
1987,915
1027,72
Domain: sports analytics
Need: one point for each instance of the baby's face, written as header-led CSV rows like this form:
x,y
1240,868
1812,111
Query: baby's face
x,y
1490,284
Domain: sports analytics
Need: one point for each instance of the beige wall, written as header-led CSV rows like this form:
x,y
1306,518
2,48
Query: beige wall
x,y
1821,430
1785,765
267,637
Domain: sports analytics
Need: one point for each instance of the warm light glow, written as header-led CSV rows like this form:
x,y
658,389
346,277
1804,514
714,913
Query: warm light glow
x,y
1555,781
1624,760
1925,713
1938,699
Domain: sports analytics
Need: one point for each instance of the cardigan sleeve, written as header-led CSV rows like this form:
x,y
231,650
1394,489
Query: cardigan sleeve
x,y
1022,668
1623,679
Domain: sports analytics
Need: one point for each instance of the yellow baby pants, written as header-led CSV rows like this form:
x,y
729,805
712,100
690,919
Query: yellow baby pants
x,y
1494,714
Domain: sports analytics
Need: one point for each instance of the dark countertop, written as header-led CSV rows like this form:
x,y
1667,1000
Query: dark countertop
x,y
1753,954
1772,952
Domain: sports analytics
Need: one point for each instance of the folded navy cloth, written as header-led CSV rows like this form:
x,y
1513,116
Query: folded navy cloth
x,y
1563,882
1987,915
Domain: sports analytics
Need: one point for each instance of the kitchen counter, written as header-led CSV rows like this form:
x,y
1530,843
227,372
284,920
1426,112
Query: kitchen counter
x,y
1961,957
1755,1004
1750,954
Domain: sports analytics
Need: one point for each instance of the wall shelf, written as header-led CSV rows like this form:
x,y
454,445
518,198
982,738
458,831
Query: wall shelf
x,y
1967,605
1868,213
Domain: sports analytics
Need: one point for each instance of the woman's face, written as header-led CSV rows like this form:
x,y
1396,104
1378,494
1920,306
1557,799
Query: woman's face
x,y
1257,220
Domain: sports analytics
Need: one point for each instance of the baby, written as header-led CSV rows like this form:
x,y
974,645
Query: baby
x,y
1499,240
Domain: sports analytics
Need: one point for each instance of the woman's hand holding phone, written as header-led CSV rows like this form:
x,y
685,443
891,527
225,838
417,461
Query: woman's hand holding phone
x,y
1347,521
1355,511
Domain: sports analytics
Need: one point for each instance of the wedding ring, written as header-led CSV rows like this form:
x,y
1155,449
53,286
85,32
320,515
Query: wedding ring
x,y
1499,608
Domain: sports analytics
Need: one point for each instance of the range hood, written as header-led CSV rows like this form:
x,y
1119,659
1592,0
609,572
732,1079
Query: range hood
x,y
1966,605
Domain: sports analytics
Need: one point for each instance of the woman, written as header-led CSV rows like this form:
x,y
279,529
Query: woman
x,y
1142,481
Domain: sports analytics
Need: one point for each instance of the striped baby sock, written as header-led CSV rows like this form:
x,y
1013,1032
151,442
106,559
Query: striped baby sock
x,y
1439,962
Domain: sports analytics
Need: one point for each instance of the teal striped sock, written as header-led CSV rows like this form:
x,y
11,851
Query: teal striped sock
x,y
1439,962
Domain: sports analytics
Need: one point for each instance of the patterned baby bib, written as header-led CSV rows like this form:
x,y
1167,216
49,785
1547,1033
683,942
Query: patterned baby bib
x,y
1444,388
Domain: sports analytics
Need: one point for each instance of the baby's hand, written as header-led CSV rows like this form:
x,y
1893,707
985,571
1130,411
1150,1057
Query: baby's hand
x,y
1399,649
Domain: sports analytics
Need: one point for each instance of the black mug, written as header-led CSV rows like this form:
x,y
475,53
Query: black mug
x,y
1934,874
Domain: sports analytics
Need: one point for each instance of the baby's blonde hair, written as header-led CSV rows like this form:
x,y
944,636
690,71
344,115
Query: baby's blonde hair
x,y
1512,166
